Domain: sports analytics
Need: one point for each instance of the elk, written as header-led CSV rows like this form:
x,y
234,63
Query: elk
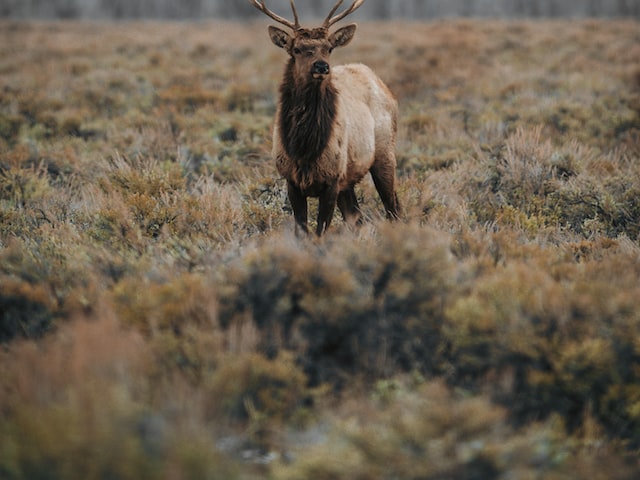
x,y
333,125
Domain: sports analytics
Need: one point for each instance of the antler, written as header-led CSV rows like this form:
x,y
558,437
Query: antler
x,y
259,4
330,20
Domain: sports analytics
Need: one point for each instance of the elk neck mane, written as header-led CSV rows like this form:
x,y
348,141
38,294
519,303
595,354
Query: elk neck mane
x,y
307,117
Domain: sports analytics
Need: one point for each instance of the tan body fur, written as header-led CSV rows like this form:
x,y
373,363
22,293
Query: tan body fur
x,y
365,128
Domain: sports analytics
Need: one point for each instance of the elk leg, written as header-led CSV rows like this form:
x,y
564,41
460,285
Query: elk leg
x,y
299,205
326,206
384,178
348,205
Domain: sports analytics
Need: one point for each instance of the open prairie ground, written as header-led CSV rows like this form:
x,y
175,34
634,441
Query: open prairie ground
x,y
159,319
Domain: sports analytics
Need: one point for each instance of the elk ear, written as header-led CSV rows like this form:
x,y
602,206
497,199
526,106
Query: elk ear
x,y
343,36
279,37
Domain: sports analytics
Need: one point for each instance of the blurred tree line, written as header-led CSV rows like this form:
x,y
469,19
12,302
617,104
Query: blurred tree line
x,y
374,9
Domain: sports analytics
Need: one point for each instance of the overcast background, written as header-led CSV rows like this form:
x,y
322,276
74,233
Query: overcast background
x,y
373,9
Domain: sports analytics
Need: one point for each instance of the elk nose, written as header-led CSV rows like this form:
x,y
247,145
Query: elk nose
x,y
320,67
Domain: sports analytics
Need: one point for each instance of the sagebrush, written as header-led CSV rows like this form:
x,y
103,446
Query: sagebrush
x,y
159,319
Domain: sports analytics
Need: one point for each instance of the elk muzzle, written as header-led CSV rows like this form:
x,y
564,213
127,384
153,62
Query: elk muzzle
x,y
320,68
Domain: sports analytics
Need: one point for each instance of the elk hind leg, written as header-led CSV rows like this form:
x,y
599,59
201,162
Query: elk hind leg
x,y
348,205
383,173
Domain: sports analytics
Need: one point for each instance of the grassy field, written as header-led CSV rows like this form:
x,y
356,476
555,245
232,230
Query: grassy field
x,y
159,319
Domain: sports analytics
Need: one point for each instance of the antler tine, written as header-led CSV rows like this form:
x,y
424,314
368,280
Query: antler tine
x,y
259,4
333,20
333,10
295,15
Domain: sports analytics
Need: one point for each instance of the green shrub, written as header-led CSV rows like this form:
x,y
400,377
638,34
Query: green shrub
x,y
81,405
178,316
10,127
20,187
189,98
549,348
608,206
52,264
430,432
68,442
373,308
249,385
25,310
528,184
285,290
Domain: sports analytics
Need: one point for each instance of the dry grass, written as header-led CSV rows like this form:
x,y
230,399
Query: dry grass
x,y
158,318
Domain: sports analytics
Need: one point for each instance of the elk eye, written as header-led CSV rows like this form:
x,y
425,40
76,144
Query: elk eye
x,y
297,51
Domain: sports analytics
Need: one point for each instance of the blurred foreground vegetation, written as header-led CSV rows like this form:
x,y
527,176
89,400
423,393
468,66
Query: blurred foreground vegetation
x,y
158,318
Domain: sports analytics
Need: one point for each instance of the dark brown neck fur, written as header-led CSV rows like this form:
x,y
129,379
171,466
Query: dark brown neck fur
x,y
307,115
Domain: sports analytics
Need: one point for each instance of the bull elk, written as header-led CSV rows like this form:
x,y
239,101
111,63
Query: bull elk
x,y
333,124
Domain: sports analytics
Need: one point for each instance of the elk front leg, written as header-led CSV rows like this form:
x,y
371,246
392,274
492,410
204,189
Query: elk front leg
x,y
326,206
299,206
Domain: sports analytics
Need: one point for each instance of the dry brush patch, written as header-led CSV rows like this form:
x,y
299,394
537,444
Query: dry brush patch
x,y
155,304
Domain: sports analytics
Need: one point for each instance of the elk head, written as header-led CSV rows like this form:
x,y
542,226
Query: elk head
x,y
310,48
